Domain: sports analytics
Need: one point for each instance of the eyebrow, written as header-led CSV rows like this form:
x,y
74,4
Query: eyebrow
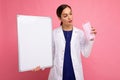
x,y
66,13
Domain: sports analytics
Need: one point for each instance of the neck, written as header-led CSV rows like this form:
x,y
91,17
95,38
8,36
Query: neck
x,y
67,28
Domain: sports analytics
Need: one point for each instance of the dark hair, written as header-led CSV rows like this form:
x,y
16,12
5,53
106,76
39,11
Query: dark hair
x,y
60,9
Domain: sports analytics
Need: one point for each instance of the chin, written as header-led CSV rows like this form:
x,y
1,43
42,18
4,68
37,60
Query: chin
x,y
70,24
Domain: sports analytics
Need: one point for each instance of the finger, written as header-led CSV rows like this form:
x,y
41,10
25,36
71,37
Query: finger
x,y
36,69
93,32
91,26
93,29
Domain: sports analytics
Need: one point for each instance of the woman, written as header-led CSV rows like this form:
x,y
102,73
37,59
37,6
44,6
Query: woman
x,y
68,43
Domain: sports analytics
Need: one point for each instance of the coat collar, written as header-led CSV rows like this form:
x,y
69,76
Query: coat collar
x,y
60,31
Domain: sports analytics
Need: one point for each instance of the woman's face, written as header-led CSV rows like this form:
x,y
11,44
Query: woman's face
x,y
66,17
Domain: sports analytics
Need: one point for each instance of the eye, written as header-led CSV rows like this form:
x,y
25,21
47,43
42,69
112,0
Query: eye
x,y
64,16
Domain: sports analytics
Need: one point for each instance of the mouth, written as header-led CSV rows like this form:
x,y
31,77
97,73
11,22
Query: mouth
x,y
70,21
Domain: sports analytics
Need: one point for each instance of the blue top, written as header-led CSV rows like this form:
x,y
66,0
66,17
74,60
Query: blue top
x,y
68,71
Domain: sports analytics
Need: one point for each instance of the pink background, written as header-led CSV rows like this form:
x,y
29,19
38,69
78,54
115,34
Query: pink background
x,y
104,15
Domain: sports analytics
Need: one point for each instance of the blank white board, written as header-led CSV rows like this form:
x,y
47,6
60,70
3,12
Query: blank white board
x,y
34,42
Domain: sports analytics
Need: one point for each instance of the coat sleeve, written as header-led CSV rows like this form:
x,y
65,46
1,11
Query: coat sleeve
x,y
86,45
53,45
53,49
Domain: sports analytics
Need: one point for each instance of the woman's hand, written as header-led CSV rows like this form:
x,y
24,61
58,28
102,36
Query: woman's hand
x,y
36,69
93,31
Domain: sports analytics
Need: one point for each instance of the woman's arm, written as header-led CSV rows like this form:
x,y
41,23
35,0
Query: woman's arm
x,y
86,45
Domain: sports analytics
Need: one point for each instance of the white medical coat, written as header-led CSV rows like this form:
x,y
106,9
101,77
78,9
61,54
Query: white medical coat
x,y
79,44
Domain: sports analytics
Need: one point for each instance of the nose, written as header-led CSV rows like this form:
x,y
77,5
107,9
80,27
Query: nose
x,y
69,17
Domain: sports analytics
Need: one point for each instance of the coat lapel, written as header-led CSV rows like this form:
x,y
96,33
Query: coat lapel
x,y
61,34
73,34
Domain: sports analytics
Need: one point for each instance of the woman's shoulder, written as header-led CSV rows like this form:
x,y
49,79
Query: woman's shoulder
x,y
57,28
78,29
